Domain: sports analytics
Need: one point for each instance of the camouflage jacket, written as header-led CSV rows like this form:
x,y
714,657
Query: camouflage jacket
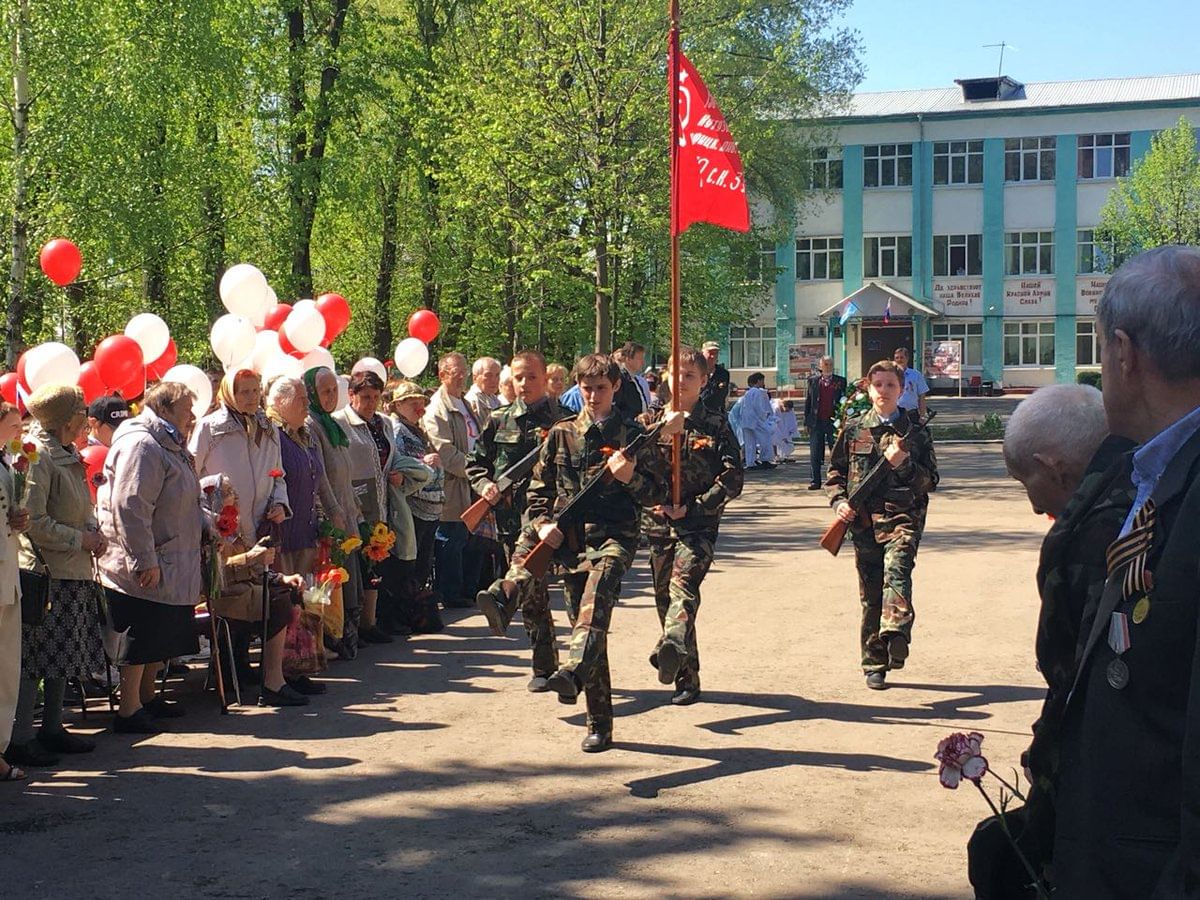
x,y
509,433
901,502
1071,574
574,451
711,472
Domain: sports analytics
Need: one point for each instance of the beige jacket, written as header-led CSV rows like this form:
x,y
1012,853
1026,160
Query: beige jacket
x,y
60,511
10,545
447,430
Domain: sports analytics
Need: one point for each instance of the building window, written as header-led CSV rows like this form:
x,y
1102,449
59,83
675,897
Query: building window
x,y
1029,253
1103,155
826,172
819,259
887,257
971,335
1094,254
1029,159
1029,343
814,331
887,165
958,162
1087,353
760,267
957,254
752,347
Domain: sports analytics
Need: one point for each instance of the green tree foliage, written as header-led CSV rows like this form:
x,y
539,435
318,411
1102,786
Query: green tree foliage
x,y
500,161
1159,201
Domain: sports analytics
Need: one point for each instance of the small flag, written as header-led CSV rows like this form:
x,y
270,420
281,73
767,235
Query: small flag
x,y
848,313
887,311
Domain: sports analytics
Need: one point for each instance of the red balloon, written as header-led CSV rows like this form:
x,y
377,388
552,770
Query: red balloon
x,y
424,325
286,346
21,371
90,382
134,387
162,365
61,261
119,360
276,316
93,457
8,386
336,312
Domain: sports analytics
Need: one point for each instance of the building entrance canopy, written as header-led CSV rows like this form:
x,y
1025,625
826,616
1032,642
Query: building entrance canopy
x,y
872,300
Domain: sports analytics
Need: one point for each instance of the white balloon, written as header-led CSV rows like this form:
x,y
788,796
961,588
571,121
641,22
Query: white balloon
x,y
412,356
343,399
280,366
197,382
266,348
272,297
232,339
151,334
305,304
304,328
370,364
318,357
51,363
244,291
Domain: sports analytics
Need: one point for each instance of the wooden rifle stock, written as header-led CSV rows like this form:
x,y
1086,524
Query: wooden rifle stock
x,y
475,513
537,563
835,536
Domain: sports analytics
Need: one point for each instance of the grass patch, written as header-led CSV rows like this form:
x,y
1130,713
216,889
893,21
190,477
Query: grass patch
x,y
989,428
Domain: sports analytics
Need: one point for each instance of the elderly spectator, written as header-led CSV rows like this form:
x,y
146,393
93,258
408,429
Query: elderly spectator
x,y
426,506
16,518
1128,789
344,512
484,395
556,380
1057,446
715,392
371,452
633,396
821,399
61,540
152,524
507,392
453,429
915,386
104,416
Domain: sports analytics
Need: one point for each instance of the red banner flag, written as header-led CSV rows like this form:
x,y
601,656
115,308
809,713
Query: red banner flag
x,y
708,182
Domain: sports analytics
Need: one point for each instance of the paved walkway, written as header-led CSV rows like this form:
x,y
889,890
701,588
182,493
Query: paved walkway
x,y
428,771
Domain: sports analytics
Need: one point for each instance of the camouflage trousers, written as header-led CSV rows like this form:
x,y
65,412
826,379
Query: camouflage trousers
x,y
885,589
677,566
591,585
536,616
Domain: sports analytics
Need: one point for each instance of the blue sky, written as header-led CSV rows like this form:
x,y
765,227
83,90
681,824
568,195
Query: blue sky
x,y
929,43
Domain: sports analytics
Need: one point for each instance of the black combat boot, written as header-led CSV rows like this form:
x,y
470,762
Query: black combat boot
x,y
496,606
565,684
599,738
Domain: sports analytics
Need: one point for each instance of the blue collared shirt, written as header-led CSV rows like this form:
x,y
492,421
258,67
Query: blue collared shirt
x,y
1152,458
915,387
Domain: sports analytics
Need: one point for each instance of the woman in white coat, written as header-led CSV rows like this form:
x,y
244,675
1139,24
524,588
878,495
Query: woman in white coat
x,y
17,519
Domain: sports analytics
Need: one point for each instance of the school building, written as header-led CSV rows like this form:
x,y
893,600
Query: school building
x,y
960,213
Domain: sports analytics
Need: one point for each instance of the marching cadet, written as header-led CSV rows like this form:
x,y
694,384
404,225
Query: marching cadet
x,y
886,526
599,542
682,538
510,433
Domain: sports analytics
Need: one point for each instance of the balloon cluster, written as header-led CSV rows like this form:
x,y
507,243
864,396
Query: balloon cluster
x,y
258,333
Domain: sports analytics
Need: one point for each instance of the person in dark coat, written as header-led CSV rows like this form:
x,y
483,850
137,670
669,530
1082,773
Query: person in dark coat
x,y
821,401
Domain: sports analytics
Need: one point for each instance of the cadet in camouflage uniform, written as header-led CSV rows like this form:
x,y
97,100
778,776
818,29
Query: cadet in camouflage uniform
x,y
509,434
596,552
682,539
887,531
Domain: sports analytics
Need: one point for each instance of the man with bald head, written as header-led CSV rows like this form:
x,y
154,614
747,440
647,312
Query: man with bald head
x,y
1128,789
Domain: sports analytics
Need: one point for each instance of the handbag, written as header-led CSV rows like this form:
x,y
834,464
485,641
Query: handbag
x,y
35,592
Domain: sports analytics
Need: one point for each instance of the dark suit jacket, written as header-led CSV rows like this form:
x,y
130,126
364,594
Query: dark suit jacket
x,y
628,399
716,389
813,396
1128,798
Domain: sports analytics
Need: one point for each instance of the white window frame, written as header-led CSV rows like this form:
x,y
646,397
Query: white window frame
x,y
1085,330
1103,156
1018,333
826,172
813,332
752,341
761,267
1041,243
876,250
1034,158
887,165
818,254
969,331
944,247
957,162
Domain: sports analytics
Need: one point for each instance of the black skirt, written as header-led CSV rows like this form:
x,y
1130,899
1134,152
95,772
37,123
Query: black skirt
x,y
143,631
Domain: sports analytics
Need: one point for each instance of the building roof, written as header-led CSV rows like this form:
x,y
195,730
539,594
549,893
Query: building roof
x,y
1036,95
872,299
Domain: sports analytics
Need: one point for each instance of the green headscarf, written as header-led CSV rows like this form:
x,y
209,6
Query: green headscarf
x,y
332,429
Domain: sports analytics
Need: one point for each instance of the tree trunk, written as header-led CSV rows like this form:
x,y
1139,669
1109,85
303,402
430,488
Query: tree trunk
x,y
212,210
603,299
19,230
387,263
510,291
154,281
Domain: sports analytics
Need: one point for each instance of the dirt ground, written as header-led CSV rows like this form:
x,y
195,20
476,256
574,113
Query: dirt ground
x,y
429,771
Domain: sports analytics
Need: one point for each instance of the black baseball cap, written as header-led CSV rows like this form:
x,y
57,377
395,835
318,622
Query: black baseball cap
x,y
109,411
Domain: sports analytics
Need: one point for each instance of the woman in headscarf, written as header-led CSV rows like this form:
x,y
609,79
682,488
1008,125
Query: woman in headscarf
x,y
343,508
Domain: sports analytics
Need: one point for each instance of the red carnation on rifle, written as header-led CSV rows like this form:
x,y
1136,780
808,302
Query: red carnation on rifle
x,y
276,473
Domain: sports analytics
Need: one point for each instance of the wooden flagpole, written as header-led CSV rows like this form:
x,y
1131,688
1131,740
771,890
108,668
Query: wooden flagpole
x,y
673,109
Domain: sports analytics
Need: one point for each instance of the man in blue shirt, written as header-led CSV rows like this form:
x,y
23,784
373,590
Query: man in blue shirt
x,y
915,386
